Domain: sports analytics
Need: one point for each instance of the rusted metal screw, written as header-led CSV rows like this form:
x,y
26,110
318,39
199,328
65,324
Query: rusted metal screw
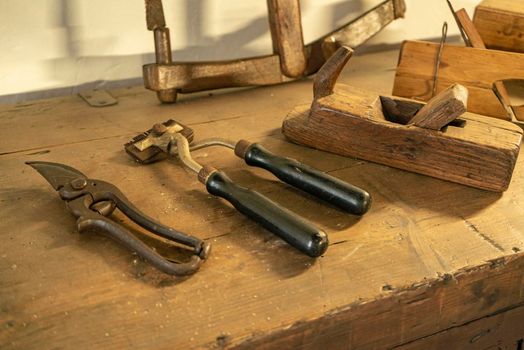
x,y
78,184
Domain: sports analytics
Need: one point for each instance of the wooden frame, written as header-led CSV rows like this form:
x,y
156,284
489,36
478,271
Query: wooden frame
x,y
290,59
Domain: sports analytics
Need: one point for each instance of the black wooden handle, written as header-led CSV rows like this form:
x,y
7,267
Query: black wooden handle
x,y
287,225
326,187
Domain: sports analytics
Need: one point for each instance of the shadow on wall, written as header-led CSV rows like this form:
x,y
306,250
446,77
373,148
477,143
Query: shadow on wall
x,y
81,68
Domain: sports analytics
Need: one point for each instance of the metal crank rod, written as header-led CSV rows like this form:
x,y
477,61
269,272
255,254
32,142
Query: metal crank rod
x,y
173,138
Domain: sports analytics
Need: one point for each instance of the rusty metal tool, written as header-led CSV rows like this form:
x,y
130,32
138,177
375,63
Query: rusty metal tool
x,y
173,138
92,201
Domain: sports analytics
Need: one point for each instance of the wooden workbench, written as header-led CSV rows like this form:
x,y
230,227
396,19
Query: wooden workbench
x,y
432,264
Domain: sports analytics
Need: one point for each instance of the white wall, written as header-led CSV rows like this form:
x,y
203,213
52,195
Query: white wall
x,y
58,45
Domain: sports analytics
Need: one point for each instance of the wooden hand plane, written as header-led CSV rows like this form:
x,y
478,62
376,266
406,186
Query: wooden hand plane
x,y
438,139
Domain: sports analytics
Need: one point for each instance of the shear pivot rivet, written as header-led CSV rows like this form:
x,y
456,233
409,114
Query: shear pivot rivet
x,y
78,184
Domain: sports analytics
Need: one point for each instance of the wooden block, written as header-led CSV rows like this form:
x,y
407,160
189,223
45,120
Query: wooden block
x,y
442,109
500,23
476,69
351,122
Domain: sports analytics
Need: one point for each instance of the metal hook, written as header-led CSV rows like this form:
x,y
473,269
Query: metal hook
x,y
439,57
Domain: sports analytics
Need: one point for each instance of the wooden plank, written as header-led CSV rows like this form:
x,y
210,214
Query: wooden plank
x,y
285,25
69,113
501,24
60,289
481,68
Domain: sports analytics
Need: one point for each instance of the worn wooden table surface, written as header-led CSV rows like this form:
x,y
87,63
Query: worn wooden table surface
x,y
432,263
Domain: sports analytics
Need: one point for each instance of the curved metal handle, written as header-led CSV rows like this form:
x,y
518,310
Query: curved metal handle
x,y
92,220
200,247
100,191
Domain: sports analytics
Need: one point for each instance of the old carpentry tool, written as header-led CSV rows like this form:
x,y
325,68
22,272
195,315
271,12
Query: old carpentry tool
x,y
290,58
173,138
472,38
92,201
477,69
481,70
430,139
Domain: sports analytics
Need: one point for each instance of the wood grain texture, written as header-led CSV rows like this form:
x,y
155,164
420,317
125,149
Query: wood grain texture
x,y
285,26
442,109
503,330
62,290
500,23
350,122
476,69
342,329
